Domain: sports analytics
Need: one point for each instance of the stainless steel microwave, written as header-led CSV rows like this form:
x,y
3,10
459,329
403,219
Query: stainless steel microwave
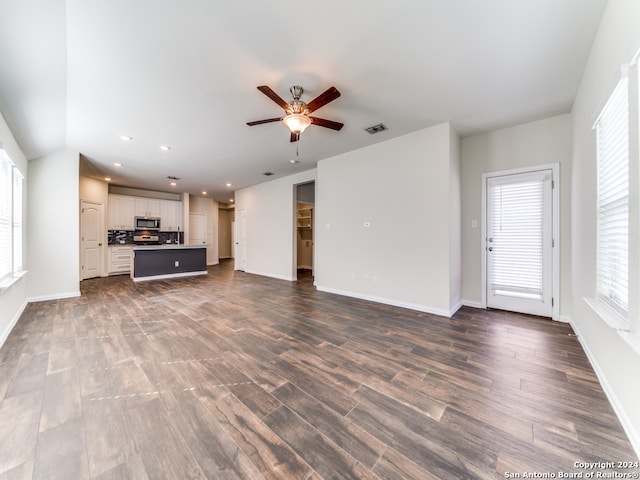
x,y
147,223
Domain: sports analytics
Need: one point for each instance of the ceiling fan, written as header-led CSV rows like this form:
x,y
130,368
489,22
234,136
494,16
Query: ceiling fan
x,y
297,117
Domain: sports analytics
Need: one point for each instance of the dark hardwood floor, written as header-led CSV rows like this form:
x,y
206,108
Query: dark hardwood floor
x,y
235,376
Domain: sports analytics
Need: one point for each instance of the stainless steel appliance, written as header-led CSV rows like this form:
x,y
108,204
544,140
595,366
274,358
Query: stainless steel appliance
x,y
147,223
145,238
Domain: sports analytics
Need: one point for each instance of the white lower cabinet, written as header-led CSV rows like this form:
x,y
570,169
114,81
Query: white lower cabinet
x,y
120,257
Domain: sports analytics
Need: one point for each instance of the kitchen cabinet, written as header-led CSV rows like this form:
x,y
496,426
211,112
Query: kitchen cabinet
x,y
146,207
120,259
120,212
170,216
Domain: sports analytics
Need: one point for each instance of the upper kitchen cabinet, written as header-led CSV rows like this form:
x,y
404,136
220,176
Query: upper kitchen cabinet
x,y
170,216
147,207
121,212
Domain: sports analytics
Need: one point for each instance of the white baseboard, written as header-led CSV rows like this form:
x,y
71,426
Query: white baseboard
x,y
387,301
12,323
564,319
627,425
472,304
56,296
271,275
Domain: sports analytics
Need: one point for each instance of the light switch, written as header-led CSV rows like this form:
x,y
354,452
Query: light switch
x,y
474,223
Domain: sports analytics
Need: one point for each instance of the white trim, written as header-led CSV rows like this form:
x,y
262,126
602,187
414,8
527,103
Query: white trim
x,y
394,303
555,229
169,275
271,275
472,304
55,296
10,280
608,314
12,323
565,319
627,425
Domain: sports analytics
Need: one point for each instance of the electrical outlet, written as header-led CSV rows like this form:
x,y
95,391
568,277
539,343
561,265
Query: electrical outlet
x,y
177,263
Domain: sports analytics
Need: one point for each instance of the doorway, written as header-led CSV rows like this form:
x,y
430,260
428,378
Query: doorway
x,y
304,227
240,239
91,239
520,259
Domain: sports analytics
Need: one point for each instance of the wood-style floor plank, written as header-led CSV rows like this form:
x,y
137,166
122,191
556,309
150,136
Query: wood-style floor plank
x,y
237,376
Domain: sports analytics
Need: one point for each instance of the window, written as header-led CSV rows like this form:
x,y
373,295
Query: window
x,y
612,132
10,220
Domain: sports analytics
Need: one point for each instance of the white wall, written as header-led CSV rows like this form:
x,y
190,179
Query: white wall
x,y
209,208
14,300
455,219
270,223
97,191
408,191
616,363
537,143
53,224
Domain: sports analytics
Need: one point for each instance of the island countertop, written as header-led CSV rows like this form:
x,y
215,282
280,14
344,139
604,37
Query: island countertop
x,y
165,246
151,262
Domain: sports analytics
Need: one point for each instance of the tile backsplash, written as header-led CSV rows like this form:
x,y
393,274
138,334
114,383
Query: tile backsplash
x,y
119,237
125,237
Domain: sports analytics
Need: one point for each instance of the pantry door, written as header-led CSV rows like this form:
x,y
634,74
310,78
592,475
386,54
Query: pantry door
x,y
519,242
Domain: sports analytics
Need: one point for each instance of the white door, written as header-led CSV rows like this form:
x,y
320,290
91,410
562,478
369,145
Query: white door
x,y
519,236
241,240
91,220
197,229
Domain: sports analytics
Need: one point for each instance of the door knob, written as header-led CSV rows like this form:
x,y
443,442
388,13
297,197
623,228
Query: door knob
x,y
491,249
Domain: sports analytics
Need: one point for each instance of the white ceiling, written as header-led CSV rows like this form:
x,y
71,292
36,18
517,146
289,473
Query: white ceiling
x,y
80,73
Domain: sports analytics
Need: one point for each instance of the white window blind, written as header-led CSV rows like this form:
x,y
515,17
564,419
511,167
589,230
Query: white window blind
x,y
612,131
5,216
517,237
17,221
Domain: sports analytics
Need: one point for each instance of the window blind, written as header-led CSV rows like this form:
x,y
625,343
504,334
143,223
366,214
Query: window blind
x,y
612,132
517,237
5,216
17,221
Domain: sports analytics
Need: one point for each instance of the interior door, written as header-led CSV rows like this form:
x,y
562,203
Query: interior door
x,y
240,240
197,229
519,237
91,224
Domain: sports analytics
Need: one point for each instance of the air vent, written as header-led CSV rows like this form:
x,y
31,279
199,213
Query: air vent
x,y
171,177
376,128
268,174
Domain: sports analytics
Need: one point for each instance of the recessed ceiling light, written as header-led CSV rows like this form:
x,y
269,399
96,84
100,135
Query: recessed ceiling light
x,y
165,147
108,179
117,164
228,184
204,193
173,184
231,200
126,138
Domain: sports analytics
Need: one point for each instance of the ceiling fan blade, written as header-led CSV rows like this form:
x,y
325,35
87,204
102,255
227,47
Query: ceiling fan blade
x,y
266,120
321,122
273,96
327,96
294,137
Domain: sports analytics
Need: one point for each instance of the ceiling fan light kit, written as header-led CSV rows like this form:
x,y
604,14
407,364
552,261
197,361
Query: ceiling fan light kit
x,y
297,112
297,122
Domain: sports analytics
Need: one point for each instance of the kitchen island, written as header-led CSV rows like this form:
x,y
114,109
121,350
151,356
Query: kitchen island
x,y
153,262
